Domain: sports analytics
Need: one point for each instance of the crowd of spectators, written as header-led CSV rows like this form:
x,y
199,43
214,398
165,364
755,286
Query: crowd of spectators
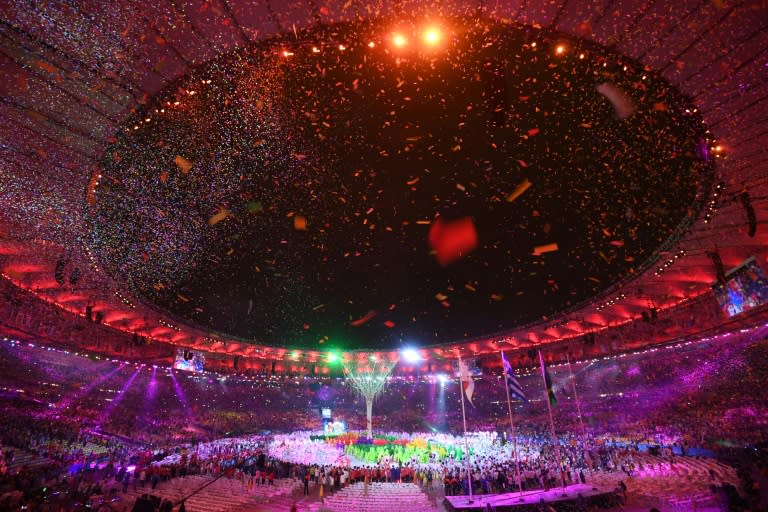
x,y
698,395
89,416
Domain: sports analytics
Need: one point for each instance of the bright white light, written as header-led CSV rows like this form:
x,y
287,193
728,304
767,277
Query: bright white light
x,y
411,355
442,378
432,36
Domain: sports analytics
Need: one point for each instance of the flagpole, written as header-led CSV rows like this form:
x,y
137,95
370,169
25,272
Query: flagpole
x,y
551,420
512,426
464,418
576,395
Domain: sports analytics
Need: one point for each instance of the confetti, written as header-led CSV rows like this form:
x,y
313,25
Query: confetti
x,y
339,138
219,216
254,207
452,240
543,249
364,319
183,164
519,190
622,103
299,223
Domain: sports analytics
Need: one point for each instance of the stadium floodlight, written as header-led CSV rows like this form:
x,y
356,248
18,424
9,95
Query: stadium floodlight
x,y
399,40
432,36
410,355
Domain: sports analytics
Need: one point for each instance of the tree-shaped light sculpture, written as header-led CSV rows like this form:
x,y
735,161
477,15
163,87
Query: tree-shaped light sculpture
x,y
369,378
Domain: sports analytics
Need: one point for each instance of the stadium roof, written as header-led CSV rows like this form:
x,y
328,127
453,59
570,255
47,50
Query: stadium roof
x,y
78,78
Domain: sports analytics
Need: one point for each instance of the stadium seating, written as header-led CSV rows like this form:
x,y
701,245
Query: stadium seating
x,y
379,497
681,485
223,495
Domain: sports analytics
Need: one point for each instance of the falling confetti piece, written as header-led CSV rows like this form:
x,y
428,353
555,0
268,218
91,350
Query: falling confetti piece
x,y
452,240
622,104
519,190
299,223
254,207
533,131
389,324
183,164
219,216
364,319
543,249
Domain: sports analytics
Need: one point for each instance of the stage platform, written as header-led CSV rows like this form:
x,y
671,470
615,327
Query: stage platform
x,y
530,499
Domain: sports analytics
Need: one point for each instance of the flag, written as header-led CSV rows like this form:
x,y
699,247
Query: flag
x,y
548,380
466,380
515,389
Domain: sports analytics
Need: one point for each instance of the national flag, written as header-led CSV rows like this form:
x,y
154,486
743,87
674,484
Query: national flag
x,y
466,380
548,380
515,389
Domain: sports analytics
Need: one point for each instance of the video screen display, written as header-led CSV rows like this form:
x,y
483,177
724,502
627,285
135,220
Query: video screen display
x,y
189,360
745,288
333,428
326,412
473,367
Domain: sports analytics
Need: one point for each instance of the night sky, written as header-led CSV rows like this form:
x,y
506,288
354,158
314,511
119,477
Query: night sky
x,y
327,189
